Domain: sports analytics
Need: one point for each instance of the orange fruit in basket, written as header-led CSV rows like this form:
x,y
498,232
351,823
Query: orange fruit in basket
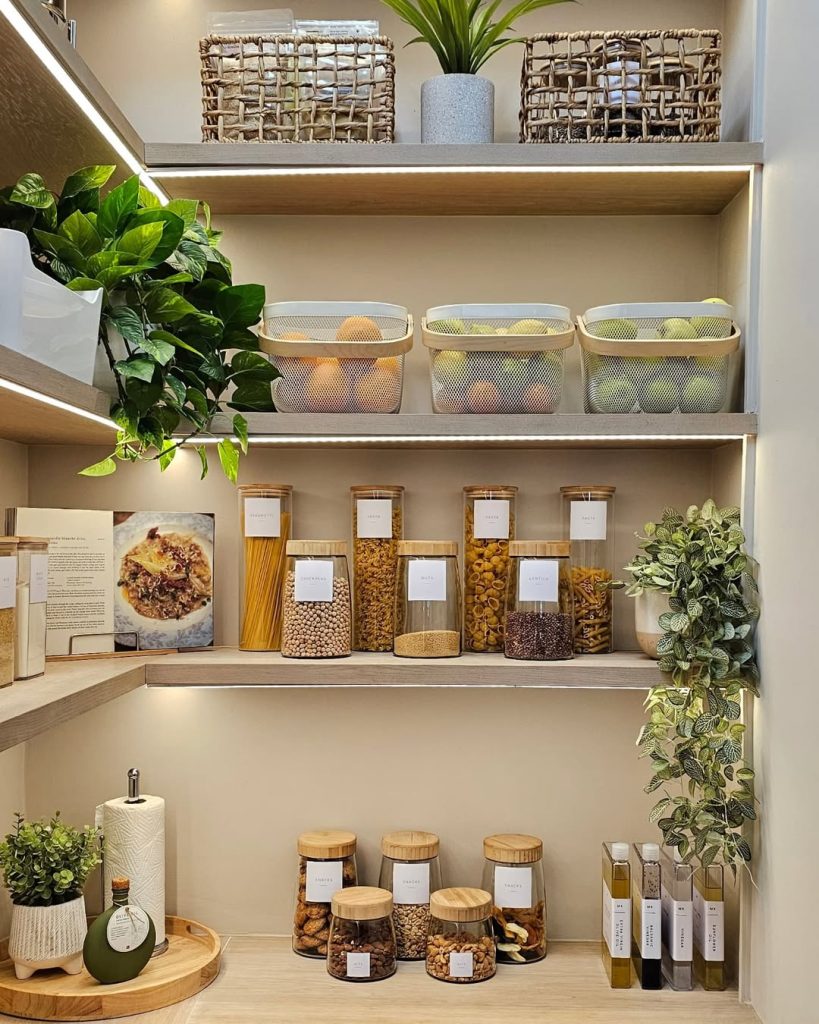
x,y
354,369
483,396
376,392
538,398
390,365
359,328
450,403
293,336
328,389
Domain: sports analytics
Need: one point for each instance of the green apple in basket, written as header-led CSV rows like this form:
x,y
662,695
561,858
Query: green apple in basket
x,y
702,392
712,326
616,330
615,395
452,326
677,328
531,327
659,393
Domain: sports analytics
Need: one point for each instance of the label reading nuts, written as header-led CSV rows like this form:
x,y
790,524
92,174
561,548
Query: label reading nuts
x,y
427,579
358,965
491,519
537,580
513,887
263,517
461,965
324,879
588,520
314,580
373,518
410,883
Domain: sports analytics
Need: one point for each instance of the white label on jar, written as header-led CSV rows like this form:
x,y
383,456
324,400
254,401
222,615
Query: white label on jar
x,y
513,887
491,519
314,580
263,517
651,917
410,883
678,927
588,520
324,880
537,579
8,581
127,928
616,924
427,579
461,965
358,965
709,927
38,586
373,518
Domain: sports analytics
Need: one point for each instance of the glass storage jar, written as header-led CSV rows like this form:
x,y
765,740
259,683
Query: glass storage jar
x,y
411,870
8,599
588,524
362,939
678,919
378,525
316,600
32,595
539,611
460,943
427,600
513,874
489,525
709,927
326,865
265,519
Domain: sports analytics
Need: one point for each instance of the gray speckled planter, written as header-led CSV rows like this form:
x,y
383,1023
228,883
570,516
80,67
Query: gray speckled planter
x,y
457,109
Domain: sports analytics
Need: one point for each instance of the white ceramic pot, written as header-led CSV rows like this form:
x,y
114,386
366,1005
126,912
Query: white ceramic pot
x,y
648,607
44,937
457,109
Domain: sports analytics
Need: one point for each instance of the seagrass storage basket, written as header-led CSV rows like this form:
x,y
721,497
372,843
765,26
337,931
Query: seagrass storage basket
x,y
628,86
659,357
297,88
491,358
337,356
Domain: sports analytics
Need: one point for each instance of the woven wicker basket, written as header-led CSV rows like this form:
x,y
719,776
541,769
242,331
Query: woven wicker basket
x,y
287,88
628,86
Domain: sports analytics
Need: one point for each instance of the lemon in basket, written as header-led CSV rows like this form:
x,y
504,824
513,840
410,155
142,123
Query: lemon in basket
x,y
531,327
702,393
448,326
677,328
359,328
376,392
712,326
450,367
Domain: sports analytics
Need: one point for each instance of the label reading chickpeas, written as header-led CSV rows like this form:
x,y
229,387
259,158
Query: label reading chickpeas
x,y
324,879
588,520
513,887
263,517
314,581
358,965
491,519
427,580
373,518
537,580
410,884
461,965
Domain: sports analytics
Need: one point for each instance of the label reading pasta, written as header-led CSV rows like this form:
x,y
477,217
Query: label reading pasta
x,y
537,580
588,520
38,586
373,518
491,519
263,517
8,580
314,580
427,580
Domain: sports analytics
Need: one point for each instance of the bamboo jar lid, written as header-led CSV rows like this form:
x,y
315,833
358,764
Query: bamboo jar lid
x,y
442,548
326,843
36,543
408,845
460,904
362,903
331,548
490,491
540,548
265,490
392,490
590,491
511,848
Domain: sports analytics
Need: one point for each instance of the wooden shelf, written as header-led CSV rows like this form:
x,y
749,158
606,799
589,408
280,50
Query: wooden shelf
x,y
263,980
500,179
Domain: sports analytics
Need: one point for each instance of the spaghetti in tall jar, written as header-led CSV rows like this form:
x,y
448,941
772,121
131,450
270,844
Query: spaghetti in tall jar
x,y
588,523
265,517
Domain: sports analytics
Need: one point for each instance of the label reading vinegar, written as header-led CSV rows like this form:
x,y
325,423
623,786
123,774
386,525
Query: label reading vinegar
x,y
651,916
410,883
588,520
263,517
513,887
491,519
314,580
127,928
373,518
324,878
678,927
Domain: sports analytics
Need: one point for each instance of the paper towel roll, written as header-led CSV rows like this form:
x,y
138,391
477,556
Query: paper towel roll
x,y
134,837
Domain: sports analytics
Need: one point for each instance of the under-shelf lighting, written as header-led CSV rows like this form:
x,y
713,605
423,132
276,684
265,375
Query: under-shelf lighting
x,y
292,440
302,172
391,686
58,72
19,389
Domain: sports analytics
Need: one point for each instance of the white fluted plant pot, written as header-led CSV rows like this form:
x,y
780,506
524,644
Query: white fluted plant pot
x,y
457,109
46,937
648,607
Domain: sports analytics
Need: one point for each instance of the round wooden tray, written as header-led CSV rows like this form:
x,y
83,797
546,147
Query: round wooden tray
x,y
189,964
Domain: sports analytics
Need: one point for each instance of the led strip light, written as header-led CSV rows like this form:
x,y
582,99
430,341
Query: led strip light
x,y
409,439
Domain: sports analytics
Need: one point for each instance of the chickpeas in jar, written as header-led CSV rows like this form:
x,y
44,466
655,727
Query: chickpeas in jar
x,y
489,525
317,613
378,526
326,865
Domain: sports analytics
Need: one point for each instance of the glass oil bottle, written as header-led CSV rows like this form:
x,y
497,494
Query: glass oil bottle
x,y
678,920
646,939
616,944
709,927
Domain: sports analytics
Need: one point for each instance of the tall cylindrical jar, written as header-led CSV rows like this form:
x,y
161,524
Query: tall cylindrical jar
x,y
513,874
32,595
427,600
326,865
8,600
539,607
265,519
588,523
378,525
316,600
362,938
460,941
489,526
411,870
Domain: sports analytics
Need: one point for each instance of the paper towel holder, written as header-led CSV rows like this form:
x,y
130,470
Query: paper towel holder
x,y
133,787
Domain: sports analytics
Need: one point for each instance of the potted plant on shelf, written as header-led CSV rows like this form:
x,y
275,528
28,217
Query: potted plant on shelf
x,y
459,105
696,560
175,331
45,865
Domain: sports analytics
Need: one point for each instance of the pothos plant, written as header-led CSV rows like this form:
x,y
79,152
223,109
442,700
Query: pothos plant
x,y
174,328
694,735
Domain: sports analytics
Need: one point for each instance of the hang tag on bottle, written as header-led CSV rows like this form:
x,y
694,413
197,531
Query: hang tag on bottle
x,y
127,928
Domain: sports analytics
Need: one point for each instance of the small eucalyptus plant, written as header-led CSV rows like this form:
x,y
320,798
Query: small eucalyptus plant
x,y
47,862
694,732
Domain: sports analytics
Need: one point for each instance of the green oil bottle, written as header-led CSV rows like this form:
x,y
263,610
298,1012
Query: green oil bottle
x,y
120,942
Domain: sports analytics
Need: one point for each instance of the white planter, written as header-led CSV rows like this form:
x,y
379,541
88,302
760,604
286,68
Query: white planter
x,y
44,937
648,607
457,109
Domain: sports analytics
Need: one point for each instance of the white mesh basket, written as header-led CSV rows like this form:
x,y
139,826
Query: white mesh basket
x,y
488,358
337,356
659,357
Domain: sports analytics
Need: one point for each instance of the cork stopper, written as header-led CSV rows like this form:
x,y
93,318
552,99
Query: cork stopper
x,y
362,903
441,548
325,844
328,548
409,845
120,884
460,904
512,848
540,548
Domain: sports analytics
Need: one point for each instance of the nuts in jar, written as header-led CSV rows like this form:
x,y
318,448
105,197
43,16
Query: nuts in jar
x,y
316,600
460,945
378,525
362,940
410,869
489,525
326,865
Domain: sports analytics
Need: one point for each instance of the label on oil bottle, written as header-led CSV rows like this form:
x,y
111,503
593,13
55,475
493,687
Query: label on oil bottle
x,y
709,927
616,924
651,915
678,928
127,928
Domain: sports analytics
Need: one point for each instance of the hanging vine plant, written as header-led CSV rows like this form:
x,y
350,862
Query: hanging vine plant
x,y
694,735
